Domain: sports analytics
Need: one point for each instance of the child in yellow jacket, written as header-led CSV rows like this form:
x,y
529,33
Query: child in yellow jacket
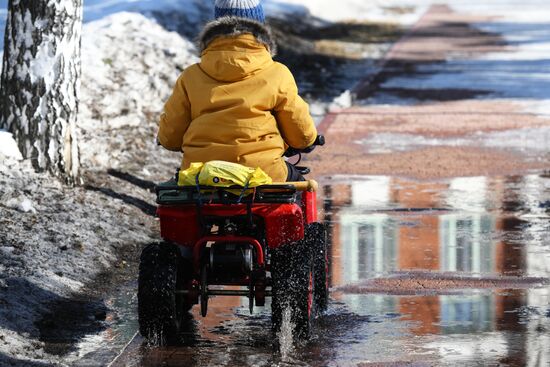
x,y
237,104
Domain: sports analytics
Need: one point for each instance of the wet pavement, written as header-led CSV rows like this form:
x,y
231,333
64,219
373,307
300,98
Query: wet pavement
x,y
466,262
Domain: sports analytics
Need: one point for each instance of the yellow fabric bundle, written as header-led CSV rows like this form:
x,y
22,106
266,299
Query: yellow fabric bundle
x,y
223,174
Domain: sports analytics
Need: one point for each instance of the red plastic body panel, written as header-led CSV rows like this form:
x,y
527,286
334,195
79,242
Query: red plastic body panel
x,y
284,223
309,206
179,224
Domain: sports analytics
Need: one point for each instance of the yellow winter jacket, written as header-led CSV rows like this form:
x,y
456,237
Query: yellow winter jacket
x,y
237,105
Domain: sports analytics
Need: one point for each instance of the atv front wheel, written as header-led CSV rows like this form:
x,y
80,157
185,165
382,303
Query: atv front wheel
x,y
160,309
317,239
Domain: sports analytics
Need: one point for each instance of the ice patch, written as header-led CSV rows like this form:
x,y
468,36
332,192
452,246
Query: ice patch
x,y
345,100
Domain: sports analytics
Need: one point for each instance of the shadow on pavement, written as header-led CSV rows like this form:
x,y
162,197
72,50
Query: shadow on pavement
x,y
59,322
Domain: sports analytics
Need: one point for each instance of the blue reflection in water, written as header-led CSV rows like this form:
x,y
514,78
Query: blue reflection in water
x,y
467,313
466,242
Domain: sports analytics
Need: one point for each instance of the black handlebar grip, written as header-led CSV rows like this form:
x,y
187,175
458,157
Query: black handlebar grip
x,y
320,140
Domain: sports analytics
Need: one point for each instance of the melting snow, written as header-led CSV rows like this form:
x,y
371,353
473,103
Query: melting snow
x,y
20,203
8,148
129,66
120,66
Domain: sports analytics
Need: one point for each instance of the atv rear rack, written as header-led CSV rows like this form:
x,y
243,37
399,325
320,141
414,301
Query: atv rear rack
x,y
277,194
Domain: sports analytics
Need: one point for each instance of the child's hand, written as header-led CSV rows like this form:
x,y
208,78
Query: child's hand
x,y
319,141
291,152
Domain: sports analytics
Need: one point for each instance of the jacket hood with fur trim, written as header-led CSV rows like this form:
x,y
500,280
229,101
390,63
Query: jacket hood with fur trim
x,y
234,49
231,27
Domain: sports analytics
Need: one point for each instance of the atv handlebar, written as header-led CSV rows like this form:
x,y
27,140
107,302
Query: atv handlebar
x,y
319,141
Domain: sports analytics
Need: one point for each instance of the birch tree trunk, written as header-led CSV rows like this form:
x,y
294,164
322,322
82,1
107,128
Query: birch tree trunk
x,y
41,80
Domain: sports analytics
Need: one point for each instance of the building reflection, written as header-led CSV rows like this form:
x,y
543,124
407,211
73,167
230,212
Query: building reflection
x,y
382,225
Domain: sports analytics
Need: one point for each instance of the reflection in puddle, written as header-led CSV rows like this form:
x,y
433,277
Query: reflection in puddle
x,y
376,244
469,225
414,239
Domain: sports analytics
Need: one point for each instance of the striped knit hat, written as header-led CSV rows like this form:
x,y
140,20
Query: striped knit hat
x,y
251,9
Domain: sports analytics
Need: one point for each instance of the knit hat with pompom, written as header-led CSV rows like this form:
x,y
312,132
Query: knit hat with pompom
x,y
251,9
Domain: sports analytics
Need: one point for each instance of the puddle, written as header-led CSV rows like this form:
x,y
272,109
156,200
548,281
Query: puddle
x,y
92,332
481,227
476,245
469,282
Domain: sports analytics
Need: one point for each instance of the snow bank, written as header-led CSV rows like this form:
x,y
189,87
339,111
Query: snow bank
x,y
129,66
53,241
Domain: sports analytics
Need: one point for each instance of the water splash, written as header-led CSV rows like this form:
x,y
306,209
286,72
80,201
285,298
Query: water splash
x,y
285,336
154,339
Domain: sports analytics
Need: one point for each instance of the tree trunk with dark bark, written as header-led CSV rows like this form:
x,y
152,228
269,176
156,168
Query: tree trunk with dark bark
x,y
41,80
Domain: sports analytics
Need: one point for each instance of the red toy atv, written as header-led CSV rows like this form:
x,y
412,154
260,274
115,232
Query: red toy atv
x,y
267,243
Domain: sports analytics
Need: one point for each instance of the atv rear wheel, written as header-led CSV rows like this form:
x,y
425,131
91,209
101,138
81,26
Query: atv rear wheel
x,y
160,309
293,287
